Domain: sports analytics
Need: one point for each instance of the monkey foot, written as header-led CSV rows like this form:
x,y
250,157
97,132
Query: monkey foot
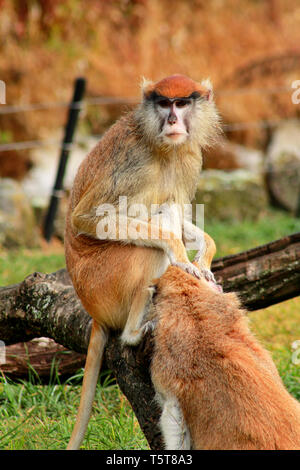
x,y
188,268
203,273
210,278
208,275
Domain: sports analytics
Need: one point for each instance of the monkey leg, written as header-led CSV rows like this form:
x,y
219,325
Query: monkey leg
x,y
133,330
135,324
204,257
138,232
206,249
203,260
91,371
162,230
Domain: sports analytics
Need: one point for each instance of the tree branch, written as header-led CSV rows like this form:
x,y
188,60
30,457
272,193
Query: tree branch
x,y
263,276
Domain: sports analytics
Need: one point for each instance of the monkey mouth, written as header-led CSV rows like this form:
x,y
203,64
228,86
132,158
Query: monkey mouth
x,y
176,135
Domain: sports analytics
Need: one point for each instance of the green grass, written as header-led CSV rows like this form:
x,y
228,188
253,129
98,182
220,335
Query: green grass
x,y
16,265
277,327
237,236
35,416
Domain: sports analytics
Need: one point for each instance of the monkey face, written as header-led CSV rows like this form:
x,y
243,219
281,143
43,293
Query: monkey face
x,y
176,110
174,115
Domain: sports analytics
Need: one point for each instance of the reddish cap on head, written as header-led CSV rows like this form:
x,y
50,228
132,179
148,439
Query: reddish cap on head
x,y
175,86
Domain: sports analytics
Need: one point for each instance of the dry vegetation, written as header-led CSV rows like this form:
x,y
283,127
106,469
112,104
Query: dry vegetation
x,y
45,44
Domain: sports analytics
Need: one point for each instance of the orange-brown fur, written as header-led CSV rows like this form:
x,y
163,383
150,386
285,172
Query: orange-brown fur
x,y
176,85
226,383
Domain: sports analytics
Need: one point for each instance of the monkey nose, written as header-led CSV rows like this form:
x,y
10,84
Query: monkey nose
x,y
172,118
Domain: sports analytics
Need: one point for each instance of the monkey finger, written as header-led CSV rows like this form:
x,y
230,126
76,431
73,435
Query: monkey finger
x,y
188,268
208,275
210,278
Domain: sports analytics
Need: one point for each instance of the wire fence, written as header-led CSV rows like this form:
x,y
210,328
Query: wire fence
x,y
110,100
32,144
97,100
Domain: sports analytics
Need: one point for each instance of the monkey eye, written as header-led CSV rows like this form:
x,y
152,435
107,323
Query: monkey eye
x,y
182,103
164,103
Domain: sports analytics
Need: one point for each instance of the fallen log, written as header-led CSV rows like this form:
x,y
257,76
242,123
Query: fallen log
x,y
46,305
41,358
262,276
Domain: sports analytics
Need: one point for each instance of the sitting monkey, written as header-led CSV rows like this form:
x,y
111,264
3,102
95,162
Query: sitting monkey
x,y
217,386
150,157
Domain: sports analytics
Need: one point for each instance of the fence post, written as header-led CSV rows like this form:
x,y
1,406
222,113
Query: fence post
x,y
74,108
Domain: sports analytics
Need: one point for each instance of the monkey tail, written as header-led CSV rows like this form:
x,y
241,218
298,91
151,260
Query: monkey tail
x,y
93,363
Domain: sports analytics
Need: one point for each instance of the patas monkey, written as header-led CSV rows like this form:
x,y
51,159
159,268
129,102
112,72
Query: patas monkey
x,y
152,156
217,386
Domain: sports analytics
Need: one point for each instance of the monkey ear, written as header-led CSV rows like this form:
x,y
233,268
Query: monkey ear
x,y
147,86
208,89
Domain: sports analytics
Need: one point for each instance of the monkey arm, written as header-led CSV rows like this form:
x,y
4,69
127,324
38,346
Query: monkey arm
x,y
83,217
88,220
205,245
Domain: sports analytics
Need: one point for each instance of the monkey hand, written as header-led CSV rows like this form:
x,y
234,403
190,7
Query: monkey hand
x,y
210,278
208,275
189,268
